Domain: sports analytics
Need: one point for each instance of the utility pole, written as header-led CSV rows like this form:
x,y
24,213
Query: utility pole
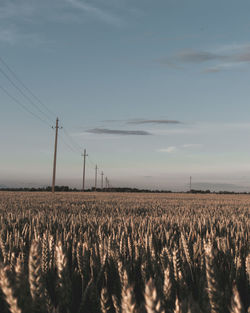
x,y
55,152
96,168
190,183
84,162
102,180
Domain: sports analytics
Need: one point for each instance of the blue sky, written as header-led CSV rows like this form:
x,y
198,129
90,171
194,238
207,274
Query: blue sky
x,y
155,91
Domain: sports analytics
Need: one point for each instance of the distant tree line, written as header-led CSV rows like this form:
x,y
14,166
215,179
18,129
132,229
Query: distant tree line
x,y
48,188
114,189
68,189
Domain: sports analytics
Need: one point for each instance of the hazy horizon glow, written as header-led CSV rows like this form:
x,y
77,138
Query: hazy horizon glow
x,y
155,91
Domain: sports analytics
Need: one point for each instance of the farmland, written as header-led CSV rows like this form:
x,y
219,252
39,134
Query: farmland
x,y
108,252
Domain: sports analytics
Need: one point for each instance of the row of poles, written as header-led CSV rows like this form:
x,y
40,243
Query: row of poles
x,y
45,118
84,165
36,103
96,169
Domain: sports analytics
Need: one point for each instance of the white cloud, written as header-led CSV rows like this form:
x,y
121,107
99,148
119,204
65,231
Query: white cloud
x,y
13,36
192,145
96,11
16,13
170,149
233,47
18,19
224,67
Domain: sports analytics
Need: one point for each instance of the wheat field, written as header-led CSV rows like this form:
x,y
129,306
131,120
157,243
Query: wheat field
x,y
110,252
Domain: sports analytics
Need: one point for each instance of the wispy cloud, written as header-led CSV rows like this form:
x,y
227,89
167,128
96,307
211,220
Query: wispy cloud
x,y
118,132
140,121
223,67
29,10
99,13
225,57
192,145
170,149
190,56
24,15
12,36
198,56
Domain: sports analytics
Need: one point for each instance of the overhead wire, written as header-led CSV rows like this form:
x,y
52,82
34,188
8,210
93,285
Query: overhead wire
x,y
24,95
92,162
73,146
27,97
78,147
25,87
67,144
73,142
23,106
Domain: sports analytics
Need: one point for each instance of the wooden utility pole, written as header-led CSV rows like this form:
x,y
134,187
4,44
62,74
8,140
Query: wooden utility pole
x,y
106,182
96,168
102,180
190,183
84,162
55,152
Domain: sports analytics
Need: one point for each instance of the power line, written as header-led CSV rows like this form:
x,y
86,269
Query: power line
x,y
73,143
73,146
92,163
23,94
68,145
77,147
23,106
25,87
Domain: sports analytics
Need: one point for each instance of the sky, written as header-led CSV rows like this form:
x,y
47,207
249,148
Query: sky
x,y
155,91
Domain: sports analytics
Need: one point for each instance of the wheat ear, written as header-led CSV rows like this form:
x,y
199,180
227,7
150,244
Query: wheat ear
x,y
63,278
177,308
128,300
8,292
212,286
35,277
167,285
105,307
152,303
236,306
